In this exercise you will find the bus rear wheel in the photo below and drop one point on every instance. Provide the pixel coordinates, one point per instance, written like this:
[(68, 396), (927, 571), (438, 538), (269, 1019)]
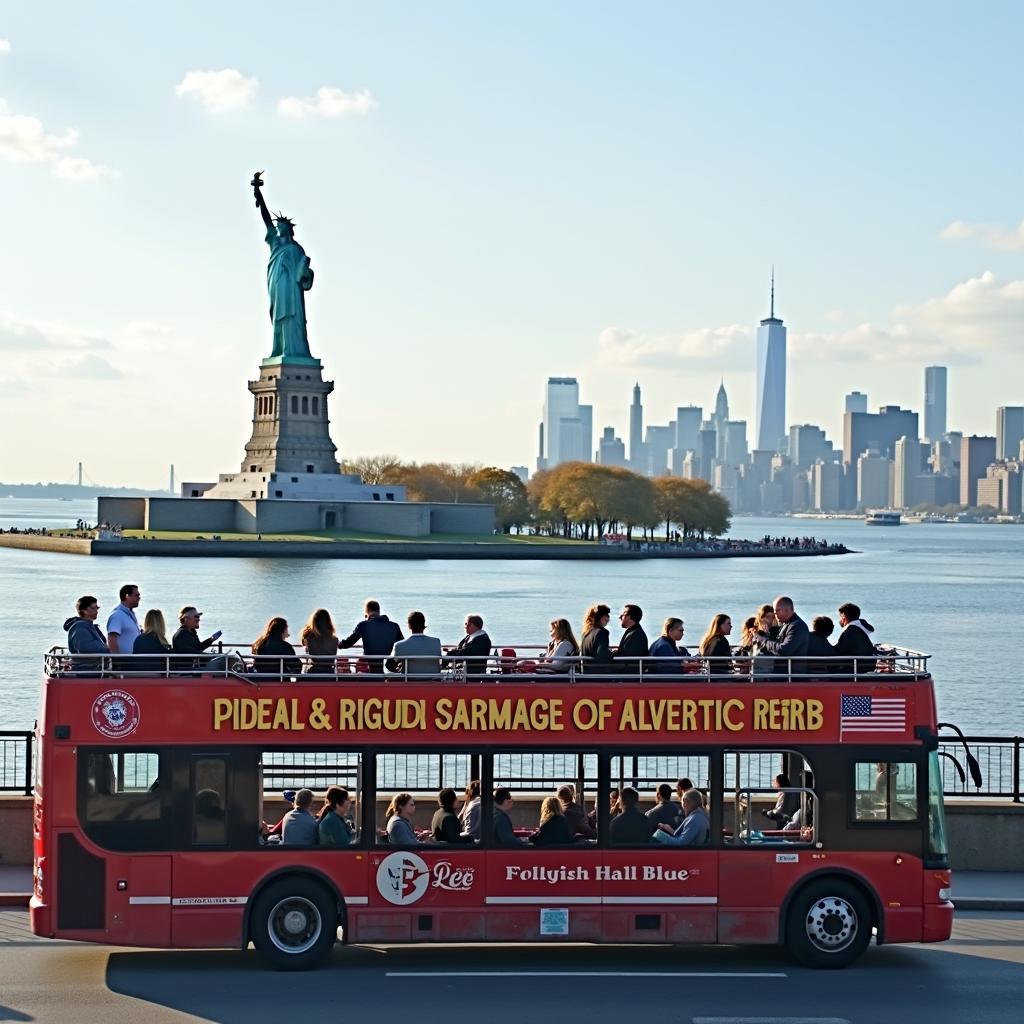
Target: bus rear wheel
[(294, 923), (828, 924)]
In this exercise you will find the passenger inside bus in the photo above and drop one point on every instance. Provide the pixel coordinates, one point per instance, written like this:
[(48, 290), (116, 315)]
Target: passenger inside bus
[(554, 829), (695, 829), (630, 827), (504, 833), (334, 827), (445, 825)]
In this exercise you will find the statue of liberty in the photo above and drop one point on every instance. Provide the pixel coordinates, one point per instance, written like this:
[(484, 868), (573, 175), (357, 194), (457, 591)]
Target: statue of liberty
[(289, 275)]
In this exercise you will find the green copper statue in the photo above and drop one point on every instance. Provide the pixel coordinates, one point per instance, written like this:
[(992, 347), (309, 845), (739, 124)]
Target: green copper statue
[(289, 275)]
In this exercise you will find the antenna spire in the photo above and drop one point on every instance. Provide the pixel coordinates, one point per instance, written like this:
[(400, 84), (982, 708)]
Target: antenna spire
[(772, 313)]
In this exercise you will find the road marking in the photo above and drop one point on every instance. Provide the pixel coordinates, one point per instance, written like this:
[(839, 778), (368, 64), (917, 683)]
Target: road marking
[(604, 974), (770, 1020)]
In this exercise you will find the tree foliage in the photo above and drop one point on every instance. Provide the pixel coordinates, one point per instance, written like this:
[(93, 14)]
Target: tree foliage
[(506, 492)]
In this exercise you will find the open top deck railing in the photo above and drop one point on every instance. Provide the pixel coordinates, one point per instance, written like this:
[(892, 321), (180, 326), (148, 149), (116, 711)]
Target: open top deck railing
[(512, 662)]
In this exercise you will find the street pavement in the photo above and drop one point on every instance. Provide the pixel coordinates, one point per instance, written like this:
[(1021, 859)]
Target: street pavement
[(976, 978)]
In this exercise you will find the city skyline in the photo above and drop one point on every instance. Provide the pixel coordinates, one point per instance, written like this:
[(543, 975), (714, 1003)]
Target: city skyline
[(601, 219)]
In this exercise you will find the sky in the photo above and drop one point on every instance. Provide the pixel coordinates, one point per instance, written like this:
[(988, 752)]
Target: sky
[(491, 195)]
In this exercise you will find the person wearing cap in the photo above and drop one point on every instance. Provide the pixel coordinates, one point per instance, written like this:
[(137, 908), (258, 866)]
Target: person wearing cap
[(275, 830), (300, 827), (186, 639)]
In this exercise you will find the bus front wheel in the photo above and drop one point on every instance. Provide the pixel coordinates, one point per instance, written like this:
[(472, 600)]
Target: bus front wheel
[(294, 923), (828, 924)]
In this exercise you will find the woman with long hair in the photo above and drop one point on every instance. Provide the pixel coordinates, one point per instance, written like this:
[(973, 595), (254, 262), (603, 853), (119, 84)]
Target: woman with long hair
[(400, 814), (445, 825), (715, 645), (469, 815), (554, 828), (321, 642), (272, 652), (333, 818), (562, 648), (596, 646), (152, 640)]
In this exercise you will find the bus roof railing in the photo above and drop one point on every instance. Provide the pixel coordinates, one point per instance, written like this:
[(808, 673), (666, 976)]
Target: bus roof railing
[(510, 663)]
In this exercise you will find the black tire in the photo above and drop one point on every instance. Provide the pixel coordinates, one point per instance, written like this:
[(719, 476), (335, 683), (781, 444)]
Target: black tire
[(294, 923), (828, 924)]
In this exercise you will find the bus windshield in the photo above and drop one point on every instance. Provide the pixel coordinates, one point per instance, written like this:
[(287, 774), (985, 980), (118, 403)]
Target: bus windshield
[(938, 842)]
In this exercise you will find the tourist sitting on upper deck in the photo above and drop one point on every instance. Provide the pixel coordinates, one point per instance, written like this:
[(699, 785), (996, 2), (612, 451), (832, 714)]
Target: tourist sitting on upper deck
[(595, 646), (786, 804), (376, 632), (554, 830), (321, 642), (665, 810), (334, 828), (715, 645), (791, 641), (273, 655), (418, 654), (469, 815), (400, 813), (475, 642), (667, 648), (630, 827), (445, 825), (633, 644), (504, 833), (186, 637), (299, 827), (575, 815), (855, 639), (818, 646), (122, 625), (563, 650), (84, 636), (152, 641), (695, 829)]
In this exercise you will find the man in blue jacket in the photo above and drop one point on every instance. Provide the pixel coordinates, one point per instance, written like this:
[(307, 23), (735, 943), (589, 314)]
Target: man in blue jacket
[(84, 636), (377, 633)]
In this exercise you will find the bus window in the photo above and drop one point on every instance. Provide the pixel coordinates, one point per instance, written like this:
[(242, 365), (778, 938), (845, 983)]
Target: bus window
[(121, 804), (885, 791), (567, 779), (660, 782), (770, 798), (425, 798), (209, 799), (285, 773)]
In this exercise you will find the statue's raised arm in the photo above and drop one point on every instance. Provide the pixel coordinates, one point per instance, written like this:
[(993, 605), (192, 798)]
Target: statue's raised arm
[(257, 184)]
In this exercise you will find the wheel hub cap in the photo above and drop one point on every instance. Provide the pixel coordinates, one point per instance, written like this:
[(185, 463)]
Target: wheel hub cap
[(831, 924)]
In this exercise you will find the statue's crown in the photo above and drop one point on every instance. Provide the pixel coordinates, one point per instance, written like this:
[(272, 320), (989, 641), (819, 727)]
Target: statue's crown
[(282, 219)]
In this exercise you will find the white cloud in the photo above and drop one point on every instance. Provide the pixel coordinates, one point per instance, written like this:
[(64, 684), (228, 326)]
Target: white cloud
[(218, 91), (23, 139), (22, 334), (993, 235), (5, 46), (78, 168), (328, 102), (88, 367), (619, 346)]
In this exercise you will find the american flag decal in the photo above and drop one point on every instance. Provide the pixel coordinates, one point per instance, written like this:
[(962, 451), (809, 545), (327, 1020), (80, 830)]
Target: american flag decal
[(872, 714)]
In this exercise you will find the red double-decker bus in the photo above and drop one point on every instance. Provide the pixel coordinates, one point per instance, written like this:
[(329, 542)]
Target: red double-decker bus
[(823, 797)]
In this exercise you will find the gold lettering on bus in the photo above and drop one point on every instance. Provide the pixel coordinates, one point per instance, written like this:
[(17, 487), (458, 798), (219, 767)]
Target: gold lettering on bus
[(262, 714), (787, 714)]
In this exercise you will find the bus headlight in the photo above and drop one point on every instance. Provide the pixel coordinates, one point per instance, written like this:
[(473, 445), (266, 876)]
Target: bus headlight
[(945, 892)]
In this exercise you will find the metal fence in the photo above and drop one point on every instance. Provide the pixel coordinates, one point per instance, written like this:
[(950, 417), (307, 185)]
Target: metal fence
[(999, 758)]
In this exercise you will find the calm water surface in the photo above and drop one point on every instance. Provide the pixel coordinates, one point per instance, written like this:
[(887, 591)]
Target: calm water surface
[(954, 591)]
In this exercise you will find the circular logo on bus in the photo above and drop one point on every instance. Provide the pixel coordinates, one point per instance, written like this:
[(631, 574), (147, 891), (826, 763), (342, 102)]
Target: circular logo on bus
[(115, 714), (402, 878)]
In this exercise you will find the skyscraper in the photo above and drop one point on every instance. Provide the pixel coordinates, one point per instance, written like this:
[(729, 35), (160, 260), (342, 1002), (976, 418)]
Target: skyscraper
[(880, 431), (1009, 431), (771, 380), (566, 434), (856, 401), (976, 455), (934, 402), (636, 432)]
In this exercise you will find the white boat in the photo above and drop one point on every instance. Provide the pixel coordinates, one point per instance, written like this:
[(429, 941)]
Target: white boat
[(880, 517)]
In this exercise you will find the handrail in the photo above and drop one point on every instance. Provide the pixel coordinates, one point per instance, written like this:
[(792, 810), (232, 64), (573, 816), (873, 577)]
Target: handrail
[(1001, 756), (227, 660)]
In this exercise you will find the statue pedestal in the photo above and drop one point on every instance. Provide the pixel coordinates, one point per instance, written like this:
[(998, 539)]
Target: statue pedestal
[(291, 361)]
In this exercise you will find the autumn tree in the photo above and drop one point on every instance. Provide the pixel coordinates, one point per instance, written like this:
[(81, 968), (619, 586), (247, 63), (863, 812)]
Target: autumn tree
[(375, 469), (506, 492)]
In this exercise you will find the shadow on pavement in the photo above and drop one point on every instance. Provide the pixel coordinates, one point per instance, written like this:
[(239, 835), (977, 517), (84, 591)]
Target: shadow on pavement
[(6, 1013)]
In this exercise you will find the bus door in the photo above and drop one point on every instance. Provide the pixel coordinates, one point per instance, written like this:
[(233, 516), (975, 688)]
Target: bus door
[(549, 889), (422, 890), (657, 891), (217, 828), (124, 807), (769, 823)]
